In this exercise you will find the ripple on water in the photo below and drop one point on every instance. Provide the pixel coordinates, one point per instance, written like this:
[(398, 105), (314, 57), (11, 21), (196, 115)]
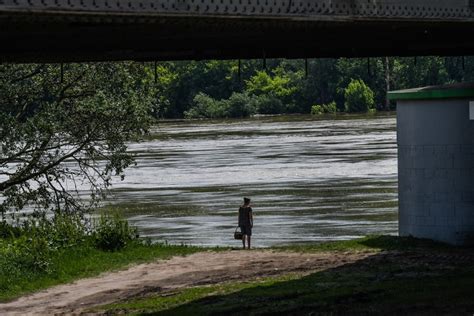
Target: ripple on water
[(310, 180)]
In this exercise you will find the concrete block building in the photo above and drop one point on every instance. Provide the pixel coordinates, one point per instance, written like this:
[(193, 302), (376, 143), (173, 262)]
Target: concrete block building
[(435, 135)]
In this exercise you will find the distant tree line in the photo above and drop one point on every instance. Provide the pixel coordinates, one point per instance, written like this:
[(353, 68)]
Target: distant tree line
[(213, 89)]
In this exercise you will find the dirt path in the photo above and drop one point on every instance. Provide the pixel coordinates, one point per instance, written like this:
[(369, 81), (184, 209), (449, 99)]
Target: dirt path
[(197, 269)]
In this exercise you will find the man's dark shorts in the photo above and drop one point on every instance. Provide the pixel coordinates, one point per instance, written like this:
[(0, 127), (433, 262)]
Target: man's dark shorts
[(246, 230)]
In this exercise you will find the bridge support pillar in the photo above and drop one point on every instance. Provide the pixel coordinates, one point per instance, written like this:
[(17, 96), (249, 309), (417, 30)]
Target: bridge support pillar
[(435, 134)]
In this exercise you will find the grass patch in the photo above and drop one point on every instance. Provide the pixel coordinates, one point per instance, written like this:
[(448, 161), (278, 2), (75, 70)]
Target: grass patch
[(79, 262), (171, 300), (370, 243)]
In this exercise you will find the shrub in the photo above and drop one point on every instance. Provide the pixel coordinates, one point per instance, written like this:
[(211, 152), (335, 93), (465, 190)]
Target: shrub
[(9, 231), (25, 254), (330, 107), (316, 110), (31, 250), (69, 229), (30, 246), (358, 97), (112, 232), (240, 105), (206, 107), (325, 108), (62, 230), (269, 104)]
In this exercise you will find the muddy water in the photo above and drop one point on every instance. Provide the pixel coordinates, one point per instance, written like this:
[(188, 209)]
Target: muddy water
[(309, 180)]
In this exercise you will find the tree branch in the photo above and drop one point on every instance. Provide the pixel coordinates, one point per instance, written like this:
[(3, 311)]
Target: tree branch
[(37, 70), (22, 177)]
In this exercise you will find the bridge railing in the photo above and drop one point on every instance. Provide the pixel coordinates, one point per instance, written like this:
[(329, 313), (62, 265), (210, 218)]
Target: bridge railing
[(306, 9)]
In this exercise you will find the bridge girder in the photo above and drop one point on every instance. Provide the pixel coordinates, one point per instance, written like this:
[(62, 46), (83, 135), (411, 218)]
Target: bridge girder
[(148, 30)]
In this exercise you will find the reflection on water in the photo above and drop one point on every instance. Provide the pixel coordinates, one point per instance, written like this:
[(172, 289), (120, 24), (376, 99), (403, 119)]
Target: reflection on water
[(309, 180)]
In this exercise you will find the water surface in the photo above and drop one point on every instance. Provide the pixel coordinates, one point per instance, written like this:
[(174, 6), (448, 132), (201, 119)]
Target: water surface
[(309, 180)]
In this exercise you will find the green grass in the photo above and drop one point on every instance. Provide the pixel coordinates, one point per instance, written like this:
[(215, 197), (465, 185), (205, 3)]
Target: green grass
[(369, 243), (400, 282), (79, 262), (188, 296)]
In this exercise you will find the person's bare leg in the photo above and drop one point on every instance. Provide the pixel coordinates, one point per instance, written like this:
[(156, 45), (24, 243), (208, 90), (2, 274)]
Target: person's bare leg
[(248, 242), (243, 240)]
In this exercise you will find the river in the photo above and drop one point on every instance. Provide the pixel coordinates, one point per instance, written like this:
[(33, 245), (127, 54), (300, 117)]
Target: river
[(310, 179)]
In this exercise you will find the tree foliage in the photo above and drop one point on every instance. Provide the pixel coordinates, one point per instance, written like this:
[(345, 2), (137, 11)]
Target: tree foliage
[(359, 97), (324, 108), (62, 135), (237, 106), (284, 87)]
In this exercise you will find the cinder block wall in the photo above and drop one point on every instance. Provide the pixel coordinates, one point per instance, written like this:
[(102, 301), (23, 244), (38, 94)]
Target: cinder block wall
[(436, 170)]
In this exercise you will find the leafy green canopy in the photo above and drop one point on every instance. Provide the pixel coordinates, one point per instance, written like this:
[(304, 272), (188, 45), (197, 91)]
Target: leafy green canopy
[(285, 87), (359, 97), (237, 106), (61, 133)]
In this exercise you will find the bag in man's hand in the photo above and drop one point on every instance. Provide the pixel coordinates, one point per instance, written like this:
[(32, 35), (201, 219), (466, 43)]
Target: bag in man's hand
[(238, 234)]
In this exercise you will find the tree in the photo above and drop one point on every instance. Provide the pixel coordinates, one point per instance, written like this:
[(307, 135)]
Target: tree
[(320, 86), (370, 71), (358, 97), (207, 107), (239, 105), (213, 78), (58, 134), (263, 83), (422, 71), (388, 65), (274, 92)]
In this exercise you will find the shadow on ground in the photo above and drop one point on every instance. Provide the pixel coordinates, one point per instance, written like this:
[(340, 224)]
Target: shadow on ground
[(411, 278)]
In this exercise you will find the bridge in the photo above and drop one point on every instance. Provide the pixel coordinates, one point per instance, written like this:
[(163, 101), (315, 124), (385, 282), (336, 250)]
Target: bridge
[(152, 30)]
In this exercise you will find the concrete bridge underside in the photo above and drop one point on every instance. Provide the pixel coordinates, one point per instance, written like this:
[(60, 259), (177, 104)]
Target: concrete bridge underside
[(94, 30)]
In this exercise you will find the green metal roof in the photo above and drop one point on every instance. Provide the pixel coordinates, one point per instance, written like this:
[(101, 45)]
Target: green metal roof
[(451, 91)]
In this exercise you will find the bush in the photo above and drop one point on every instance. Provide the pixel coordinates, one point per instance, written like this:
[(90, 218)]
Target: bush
[(30, 246), (25, 255), (316, 110), (325, 108), (269, 104), (330, 107), (358, 97), (69, 229), (40, 235), (62, 230), (207, 107), (9, 231), (112, 232), (31, 250), (240, 105)]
